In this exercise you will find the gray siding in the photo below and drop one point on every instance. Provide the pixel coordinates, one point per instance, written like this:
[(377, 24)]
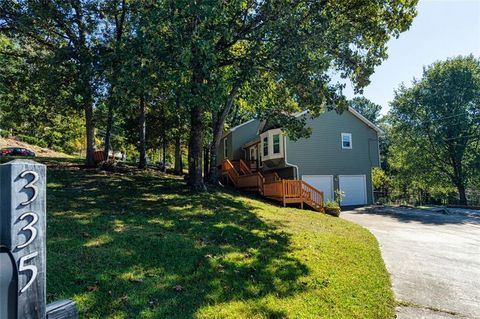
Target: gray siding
[(322, 153), (236, 139), (220, 154)]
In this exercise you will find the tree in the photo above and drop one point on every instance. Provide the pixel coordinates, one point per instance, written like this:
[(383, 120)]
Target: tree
[(117, 12), (297, 42), (69, 32), (367, 108), (436, 123), (35, 98)]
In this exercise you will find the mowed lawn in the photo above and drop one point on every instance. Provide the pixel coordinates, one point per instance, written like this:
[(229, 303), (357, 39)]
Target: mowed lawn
[(140, 245)]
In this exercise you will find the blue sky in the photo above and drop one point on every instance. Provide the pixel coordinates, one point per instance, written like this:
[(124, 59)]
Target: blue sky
[(442, 29)]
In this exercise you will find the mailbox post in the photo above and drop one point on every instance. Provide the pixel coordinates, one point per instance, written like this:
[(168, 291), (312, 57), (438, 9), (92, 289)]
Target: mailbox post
[(23, 244)]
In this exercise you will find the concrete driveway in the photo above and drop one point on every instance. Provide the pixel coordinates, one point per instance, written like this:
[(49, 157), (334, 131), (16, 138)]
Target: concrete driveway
[(433, 259)]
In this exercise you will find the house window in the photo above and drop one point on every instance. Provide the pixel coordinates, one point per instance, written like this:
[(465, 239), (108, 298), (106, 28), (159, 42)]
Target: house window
[(225, 149), (276, 144), (265, 146), (347, 141)]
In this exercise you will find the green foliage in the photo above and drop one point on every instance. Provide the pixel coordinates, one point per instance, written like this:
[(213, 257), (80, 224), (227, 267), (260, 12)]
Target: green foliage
[(379, 178), (32, 140), (367, 108), (331, 204), (192, 59), (435, 123)]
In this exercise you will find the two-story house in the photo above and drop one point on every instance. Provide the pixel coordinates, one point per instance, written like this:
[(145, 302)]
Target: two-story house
[(339, 154)]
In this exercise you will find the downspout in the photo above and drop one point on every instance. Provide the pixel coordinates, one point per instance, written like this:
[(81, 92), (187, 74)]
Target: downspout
[(295, 171)]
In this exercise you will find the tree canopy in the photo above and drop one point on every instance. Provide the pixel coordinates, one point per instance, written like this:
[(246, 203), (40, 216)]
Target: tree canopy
[(204, 62), (436, 126), (367, 108)]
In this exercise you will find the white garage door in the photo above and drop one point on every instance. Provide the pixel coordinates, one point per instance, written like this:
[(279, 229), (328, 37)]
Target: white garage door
[(355, 189), (323, 183)]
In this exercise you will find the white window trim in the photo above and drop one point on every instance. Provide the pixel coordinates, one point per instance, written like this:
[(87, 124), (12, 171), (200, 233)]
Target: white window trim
[(269, 134), (262, 137), (279, 144), (350, 138), (225, 148)]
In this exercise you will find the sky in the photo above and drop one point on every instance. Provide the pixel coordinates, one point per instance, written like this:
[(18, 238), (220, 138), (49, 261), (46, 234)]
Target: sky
[(442, 29)]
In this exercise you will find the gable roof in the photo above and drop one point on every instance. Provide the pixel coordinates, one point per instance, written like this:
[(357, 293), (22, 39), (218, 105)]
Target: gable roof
[(365, 120), (237, 127), (350, 109), (357, 115)]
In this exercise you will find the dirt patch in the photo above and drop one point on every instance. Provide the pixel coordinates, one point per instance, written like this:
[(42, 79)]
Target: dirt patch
[(39, 151)]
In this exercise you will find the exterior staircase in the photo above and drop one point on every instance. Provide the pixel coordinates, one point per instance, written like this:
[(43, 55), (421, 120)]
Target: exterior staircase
[(271, 185)]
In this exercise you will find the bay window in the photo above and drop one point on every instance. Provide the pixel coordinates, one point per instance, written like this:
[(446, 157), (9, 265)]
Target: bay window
[(272, 146)]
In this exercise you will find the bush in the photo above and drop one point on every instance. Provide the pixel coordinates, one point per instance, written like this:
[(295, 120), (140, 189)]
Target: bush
[(32, 140), (332, 208), (4, 133), (331, 204)]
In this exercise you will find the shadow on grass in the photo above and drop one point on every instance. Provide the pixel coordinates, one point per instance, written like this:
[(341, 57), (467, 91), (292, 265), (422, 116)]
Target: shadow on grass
[(144, 247)]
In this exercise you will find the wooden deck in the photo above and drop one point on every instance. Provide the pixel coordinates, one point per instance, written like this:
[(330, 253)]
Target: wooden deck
[(271, 185)]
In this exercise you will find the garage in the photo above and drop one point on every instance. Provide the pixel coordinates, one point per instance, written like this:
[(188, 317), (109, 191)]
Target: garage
[(355, 189), (323, 183)]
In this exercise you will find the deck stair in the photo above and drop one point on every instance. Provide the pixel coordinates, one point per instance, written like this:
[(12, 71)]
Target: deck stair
[(271, 185)]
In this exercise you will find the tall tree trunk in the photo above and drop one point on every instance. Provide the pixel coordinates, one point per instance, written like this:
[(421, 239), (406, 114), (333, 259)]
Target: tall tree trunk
[(217, 129), (90, 130), (205, 162), (462, 194), (178, 156), (164, 147), (459, 177), (119, 21), (195, 143), (195, 150), (108, 131), (142, 148), (218, 121)]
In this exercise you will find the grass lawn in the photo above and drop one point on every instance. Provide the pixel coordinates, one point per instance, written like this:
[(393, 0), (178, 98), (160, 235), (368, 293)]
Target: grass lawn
[(139, 245)]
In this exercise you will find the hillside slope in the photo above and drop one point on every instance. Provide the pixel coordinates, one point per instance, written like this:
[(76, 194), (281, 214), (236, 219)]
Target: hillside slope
[(140, 245), (40, 151)]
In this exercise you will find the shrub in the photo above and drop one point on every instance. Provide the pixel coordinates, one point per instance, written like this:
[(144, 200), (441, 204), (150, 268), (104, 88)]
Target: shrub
[(332, 208), (33, 140), (4, 133), (331, 204)]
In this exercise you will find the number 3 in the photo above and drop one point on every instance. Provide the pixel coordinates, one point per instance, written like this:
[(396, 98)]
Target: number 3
[(22, 267), (30, 228), (31, 185)]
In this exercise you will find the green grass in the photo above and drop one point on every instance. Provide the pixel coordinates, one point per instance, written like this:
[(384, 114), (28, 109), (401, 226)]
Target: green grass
[(141, 246)]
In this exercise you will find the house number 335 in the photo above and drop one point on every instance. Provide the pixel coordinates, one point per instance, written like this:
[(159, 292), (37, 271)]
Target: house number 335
[(31, 231)]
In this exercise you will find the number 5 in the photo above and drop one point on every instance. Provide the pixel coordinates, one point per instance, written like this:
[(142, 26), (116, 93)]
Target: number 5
[(31, 185), (22, 267)]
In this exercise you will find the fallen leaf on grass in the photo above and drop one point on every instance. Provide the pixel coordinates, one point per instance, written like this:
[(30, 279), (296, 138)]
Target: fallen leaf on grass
[(136, 280), (178, 288), (93, 288)]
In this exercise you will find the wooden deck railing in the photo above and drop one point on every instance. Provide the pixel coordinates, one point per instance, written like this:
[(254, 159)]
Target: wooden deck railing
[(285, 190), (244, 167), (273, 189), (229, 170), (312, 196), (249, 180), (272, 177)]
